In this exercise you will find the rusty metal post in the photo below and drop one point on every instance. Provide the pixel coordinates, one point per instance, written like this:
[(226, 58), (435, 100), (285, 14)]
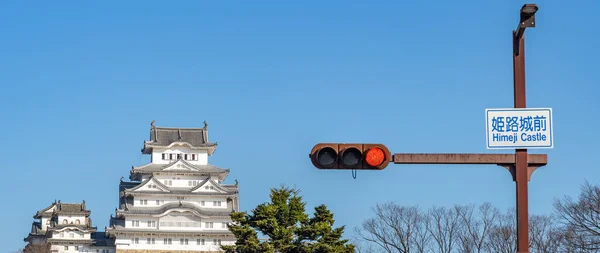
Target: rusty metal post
[(521, 170)]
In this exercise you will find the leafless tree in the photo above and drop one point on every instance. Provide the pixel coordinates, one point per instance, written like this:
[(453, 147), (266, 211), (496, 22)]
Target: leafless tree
[(544, 235), (503, 234), (581, 218), (361, 247), (443, 226), (396, 228), (476, 225)]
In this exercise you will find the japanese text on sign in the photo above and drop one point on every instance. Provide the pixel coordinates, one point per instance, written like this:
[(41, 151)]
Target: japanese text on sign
[(519, 128)]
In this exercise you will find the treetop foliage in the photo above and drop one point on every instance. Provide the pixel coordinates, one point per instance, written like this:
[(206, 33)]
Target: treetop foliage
[(287, 226)]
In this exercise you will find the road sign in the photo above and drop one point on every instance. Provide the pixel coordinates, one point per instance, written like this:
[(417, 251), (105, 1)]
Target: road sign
[(519, 128)]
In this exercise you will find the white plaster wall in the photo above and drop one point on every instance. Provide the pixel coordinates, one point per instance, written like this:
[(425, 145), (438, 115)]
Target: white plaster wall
[(44, 223), (82, 248), (209, 245), (66, 234), (143, 222), (162, 223), (197, 200), (103, 249), (180, 181), (71, 219), (201, 159)]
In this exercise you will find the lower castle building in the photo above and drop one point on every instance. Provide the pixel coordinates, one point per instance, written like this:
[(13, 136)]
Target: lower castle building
[(176, 203), (66, 227)]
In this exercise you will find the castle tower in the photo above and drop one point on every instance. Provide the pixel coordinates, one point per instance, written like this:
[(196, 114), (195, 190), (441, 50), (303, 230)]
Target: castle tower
[(66, 227), (178, 201)]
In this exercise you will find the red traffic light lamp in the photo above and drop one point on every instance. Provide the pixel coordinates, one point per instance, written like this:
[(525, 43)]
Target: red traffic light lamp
[(354, 156)]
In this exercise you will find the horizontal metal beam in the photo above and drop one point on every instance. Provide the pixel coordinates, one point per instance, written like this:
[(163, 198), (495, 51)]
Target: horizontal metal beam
[(499, 159)]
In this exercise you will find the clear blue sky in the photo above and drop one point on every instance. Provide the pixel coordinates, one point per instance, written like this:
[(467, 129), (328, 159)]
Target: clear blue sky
[(81, 81)]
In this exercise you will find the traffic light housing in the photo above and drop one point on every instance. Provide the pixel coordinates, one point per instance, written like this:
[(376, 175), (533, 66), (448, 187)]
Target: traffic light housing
[(350, 156)]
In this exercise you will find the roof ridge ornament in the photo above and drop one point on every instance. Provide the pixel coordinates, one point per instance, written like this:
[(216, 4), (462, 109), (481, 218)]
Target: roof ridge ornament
[(152, 124), (179, 133), (205, 125)]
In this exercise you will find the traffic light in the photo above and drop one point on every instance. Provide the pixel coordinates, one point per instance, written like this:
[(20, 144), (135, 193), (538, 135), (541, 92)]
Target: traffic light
[(344, 156)]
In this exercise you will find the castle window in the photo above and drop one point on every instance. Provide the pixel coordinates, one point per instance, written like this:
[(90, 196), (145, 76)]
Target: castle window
[(164, 156), (200, 241), (216, 203), (223, 225), (167, 241), (185, 156), (77, 222), (135, 223), (217, 241), (209, 224), (76, 247), (157, 202), (202, 203), (194, 157), (65, 221), (170, 156), (183, 241), (178, 156), (136, 240), (66, 247)]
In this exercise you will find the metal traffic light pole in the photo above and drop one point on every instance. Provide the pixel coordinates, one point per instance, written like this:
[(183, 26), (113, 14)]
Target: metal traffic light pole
[(521, 165), (527, 19)]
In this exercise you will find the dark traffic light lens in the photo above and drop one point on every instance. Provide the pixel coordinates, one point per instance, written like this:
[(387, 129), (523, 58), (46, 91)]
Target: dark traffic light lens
[(327, 157), (351, 157)]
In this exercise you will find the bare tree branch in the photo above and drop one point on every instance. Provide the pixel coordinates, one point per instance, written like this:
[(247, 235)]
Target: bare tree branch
[(396, 229), (443, 226), (476, 224), (503, 235), (581, 218), (544, 235)]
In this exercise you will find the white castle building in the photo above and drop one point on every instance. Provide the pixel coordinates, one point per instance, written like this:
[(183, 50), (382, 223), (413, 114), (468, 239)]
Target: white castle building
[(66, 227), (176, 203)]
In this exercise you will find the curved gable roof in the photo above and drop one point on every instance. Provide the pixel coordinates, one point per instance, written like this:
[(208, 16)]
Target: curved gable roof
[(151, 179), (166, 208), (202, 169)]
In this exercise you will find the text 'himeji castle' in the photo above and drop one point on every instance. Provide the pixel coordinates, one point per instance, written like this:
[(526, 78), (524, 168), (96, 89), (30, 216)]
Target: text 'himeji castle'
[(175, 203)]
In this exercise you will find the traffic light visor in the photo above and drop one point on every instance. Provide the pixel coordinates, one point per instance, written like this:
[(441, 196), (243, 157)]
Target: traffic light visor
[(375, 157), (327, 156)]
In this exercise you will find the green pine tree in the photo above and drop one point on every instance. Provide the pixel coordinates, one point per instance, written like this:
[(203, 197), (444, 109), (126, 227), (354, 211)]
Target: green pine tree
[(287, 226)]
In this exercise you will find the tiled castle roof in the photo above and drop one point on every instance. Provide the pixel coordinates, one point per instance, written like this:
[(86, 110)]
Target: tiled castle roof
[(63, 208), (165, 136)]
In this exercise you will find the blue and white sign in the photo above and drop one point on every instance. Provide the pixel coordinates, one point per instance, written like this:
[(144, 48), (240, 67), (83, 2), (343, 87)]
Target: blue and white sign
[(516, 128)]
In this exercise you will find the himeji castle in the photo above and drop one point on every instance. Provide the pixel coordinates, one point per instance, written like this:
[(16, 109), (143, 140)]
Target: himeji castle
[(176, 203)]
